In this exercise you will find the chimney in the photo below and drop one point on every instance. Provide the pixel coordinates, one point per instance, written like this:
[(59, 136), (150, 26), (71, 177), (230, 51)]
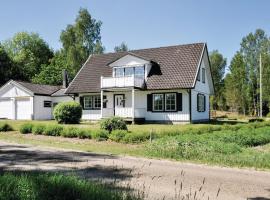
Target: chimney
[(65, 78)]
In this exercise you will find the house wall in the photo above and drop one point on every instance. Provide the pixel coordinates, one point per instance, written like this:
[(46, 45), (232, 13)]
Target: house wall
[(203, 88), (41, 112), (141, 105), (89, 114)]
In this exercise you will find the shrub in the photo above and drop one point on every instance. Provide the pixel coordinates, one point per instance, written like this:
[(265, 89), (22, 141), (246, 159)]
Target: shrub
[(83, 133), (38, 129), (68, 112), (268, 115), (53, 130), (100, 134), (256, 120), (70, 132), (137, 137), (26, 128), (113, 123), (117, 135), (4, 127)]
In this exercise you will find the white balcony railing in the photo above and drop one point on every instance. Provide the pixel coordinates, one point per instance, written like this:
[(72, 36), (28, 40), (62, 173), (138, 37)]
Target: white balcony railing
[(128, 81)]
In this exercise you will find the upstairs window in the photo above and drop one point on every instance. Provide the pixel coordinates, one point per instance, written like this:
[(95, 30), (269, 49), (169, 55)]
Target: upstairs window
[(139, 71), (119, 72), (203, 75), (129, 71)]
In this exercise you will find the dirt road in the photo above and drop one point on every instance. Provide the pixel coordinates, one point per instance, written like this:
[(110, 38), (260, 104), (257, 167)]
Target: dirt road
[(157, 178)]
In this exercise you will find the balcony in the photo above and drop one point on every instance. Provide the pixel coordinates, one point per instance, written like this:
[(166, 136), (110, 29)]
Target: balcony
[(121, 82)]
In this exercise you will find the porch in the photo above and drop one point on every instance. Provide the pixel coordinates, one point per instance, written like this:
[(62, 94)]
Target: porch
[(124, 103)]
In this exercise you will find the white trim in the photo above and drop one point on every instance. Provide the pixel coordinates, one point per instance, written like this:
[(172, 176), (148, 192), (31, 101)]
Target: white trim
[(199, 64), (78, 74), (18, 85), (153, 102)]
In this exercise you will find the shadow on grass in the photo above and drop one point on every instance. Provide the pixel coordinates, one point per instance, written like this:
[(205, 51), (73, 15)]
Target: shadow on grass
[(224, 122)]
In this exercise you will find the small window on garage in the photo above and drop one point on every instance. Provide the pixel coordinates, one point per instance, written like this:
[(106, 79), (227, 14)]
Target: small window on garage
[(47, 104)]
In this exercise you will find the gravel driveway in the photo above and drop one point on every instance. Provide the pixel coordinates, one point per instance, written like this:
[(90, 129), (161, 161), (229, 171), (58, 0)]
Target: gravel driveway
[(157, 178)]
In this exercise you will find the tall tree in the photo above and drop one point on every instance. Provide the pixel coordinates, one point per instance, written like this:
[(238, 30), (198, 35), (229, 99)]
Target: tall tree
[(7, 70), (122, 47), (237, 84), (218, 64), (28, 51), (52, 74), (252, 46), (81, 39)]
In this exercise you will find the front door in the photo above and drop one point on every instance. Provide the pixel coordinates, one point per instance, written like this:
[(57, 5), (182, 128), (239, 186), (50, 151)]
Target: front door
[(119, 101)]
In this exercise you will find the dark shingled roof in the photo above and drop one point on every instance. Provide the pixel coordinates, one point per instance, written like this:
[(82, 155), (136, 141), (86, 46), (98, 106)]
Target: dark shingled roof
[(60, 92), (174, 67), (40, 89)]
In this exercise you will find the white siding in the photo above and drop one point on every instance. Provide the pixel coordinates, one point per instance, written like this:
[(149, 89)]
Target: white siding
[(129, 60), (203, 88), (41, 112), (90, 114), (7, 108), (13, 91)]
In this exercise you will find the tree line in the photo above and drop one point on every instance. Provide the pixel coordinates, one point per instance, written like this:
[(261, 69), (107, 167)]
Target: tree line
[(27, 57), (239, 89)]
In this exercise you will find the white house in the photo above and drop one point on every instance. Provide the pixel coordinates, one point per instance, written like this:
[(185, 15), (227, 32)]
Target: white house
[(25, 101), (166, 84)]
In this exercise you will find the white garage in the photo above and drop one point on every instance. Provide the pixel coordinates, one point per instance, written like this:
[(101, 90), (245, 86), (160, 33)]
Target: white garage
[(27, 101)]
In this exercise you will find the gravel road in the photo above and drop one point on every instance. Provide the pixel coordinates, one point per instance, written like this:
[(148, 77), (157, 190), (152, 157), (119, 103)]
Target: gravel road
[(158, 179)]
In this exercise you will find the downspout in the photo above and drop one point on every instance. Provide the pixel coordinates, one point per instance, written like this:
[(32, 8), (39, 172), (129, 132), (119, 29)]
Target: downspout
[(190, 108)]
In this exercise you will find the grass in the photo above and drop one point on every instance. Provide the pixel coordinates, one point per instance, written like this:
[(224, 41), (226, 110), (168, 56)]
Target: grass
[(240, 145), (47, 186)]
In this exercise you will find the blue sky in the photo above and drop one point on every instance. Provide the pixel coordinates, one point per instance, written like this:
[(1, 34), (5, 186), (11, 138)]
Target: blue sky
[(142, 23)]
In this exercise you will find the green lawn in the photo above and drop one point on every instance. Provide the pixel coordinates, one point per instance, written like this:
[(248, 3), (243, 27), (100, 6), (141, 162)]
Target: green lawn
[(240, 145)]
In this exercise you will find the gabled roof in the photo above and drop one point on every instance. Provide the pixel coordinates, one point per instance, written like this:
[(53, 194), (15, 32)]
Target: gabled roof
[(39, 88), (174, 67)]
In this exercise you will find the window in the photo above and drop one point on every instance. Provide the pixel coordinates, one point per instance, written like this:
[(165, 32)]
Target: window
[(200, 103), (157, 102), (119, 72), (47, 104), (203, 75), (199, 75), (129, 71), (170, 102), (105, 101), (139, 71), (92, 102)]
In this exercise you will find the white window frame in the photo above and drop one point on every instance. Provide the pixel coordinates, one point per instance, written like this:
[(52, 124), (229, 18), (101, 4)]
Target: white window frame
[(175, 103), (153, 103), (203, 75), (93, 99), (201, 102)]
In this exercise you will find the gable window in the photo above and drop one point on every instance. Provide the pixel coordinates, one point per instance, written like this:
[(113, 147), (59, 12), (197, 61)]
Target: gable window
[(170, 102), (119, 72), (92, 102), (199, 75), (203, 75), (158, 102), (47, 104), (200, 102), (139, 71)]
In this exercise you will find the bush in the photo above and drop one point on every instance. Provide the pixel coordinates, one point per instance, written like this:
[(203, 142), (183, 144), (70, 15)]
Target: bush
[(268, 115), (83, 133), (68, 112), (113, 123), (100, 134), (26, 128), (256, 120), (4, 127), (53, 130), (70, 132), (117, 135), (38, 129), (137, 137)]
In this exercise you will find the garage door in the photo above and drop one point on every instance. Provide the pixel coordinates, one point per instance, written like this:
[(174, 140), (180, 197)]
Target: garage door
[(23, 108), (6, 109)]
